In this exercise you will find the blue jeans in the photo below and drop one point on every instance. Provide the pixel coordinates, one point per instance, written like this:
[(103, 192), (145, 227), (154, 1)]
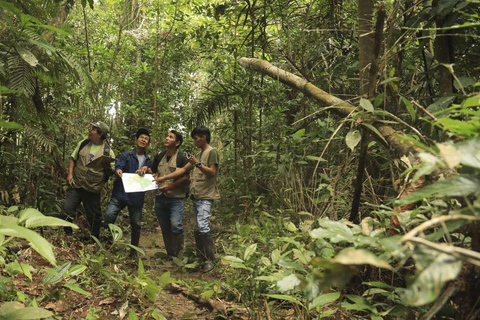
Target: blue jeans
[(202, 211), (169, 213), (91, 204), (135, 212)]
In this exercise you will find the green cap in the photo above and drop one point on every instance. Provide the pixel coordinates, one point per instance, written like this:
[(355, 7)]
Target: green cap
[(102, 126)]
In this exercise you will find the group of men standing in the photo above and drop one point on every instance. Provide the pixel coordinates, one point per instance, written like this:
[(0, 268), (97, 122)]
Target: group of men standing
[(171, 170)]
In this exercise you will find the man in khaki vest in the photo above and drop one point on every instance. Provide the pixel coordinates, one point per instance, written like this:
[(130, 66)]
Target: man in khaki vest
[(86, 181), (171, 193), (203, 190)]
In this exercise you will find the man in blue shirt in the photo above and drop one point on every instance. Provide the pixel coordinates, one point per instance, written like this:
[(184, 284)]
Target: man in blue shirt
[(133, 161)]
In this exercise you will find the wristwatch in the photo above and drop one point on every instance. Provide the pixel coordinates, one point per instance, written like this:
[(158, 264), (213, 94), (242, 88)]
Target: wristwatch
[(198, 165)]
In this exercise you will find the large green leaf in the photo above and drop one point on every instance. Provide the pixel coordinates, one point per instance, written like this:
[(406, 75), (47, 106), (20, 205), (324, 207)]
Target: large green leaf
[(45, 221), (430, 281), (350, 256), (324, 299), (28, 56), (456, 186), (440, 104), (37, 242), (29, 213), (16, 311), (288, 283), (336, 231), (75, 287), (10, 125), (57, 274)]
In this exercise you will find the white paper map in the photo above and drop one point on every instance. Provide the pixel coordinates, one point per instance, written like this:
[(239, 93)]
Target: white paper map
[(132, 182)]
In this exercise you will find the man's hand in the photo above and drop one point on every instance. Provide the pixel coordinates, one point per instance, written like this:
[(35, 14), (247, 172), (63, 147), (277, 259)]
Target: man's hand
[(119, 173), (142, 170), (70, 179), (159, 180), (193, 160)]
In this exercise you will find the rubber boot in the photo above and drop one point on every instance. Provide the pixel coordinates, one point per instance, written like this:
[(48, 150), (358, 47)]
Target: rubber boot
[(209, 252), (199, 244), (177, 244), (167, 240)]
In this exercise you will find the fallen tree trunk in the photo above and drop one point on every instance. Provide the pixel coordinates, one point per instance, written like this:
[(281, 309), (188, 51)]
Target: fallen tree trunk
[(336, 105)]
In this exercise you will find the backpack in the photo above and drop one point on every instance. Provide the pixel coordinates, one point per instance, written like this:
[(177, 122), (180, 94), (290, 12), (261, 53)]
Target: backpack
[(162, 154), (106, 152)]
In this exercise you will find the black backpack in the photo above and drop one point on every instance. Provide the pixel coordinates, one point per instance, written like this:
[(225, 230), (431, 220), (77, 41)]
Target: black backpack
[(106, 152)]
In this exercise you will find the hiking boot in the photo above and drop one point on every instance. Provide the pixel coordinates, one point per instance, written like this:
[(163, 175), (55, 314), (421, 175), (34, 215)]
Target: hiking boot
[(208, 251), (207, 267), (167, 240)]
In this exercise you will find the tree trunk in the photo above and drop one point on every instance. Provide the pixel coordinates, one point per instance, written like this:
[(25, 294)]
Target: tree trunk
[(335, 105)]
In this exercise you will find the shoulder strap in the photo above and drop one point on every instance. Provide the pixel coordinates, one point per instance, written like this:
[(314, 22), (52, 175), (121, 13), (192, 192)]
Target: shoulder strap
[(106, 150), (82, 145)]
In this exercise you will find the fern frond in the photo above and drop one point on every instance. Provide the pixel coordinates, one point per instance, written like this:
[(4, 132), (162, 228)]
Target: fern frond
[(21, 76), (72, 64)]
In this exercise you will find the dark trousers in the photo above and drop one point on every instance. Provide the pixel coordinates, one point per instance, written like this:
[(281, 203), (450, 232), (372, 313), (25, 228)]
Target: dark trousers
[(91, 204)]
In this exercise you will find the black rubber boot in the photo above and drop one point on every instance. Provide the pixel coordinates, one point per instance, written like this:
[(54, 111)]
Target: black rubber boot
[(199, 244), (209, 251), (177, 244), (167, 240), (135, 237)]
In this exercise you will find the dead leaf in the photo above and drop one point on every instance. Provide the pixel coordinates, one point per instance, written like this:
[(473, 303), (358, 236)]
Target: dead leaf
[(108, 300)]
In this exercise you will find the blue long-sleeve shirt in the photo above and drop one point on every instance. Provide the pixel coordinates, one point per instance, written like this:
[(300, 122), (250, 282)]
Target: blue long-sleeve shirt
[(128, 163)]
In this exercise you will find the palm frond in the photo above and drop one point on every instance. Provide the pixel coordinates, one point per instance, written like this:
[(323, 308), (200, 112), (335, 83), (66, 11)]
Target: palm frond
[(36, 137), (74, 66), (21, 76)]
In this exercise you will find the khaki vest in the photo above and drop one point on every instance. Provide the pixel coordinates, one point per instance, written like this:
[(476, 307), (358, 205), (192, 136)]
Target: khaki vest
[(85, 177), (203, 186), (165, 168)]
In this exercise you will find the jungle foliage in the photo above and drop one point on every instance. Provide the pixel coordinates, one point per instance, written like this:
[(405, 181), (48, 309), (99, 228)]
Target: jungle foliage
[(321, 216)]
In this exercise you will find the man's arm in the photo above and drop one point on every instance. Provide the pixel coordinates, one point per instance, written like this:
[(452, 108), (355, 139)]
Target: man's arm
[(120, 165), (177, 173), (71, 166), (177, 183)]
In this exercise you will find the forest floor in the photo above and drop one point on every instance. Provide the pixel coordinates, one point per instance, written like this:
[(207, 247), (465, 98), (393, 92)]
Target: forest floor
[(113, 297)]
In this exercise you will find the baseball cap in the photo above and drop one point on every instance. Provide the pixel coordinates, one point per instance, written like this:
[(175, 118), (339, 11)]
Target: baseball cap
[(141, 131), (102, 126)]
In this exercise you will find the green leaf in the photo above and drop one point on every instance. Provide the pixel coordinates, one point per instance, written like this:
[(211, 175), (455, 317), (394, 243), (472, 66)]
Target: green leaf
[(410, 108), (57, 274), (463, 82), (27, 56), (5, 90), (16, 310), (353, 138), (16, 267), (44, 221), (314, 158), (430, 281), (374, 130), (76, 270), (367, 105), (37, 242), (75, 287), (132, 315), (29, 213), (441, 104), (271, 278), (394, 79), (249, 251), (360, 303), (288, 283), (456, 186), (284, 297), (10, 125), (291, 265), (350, 256), (298, 135), (229, 259), (324, 299), (471, 102), (116, 231), (55, 29), (334, 230), (290, 226)]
